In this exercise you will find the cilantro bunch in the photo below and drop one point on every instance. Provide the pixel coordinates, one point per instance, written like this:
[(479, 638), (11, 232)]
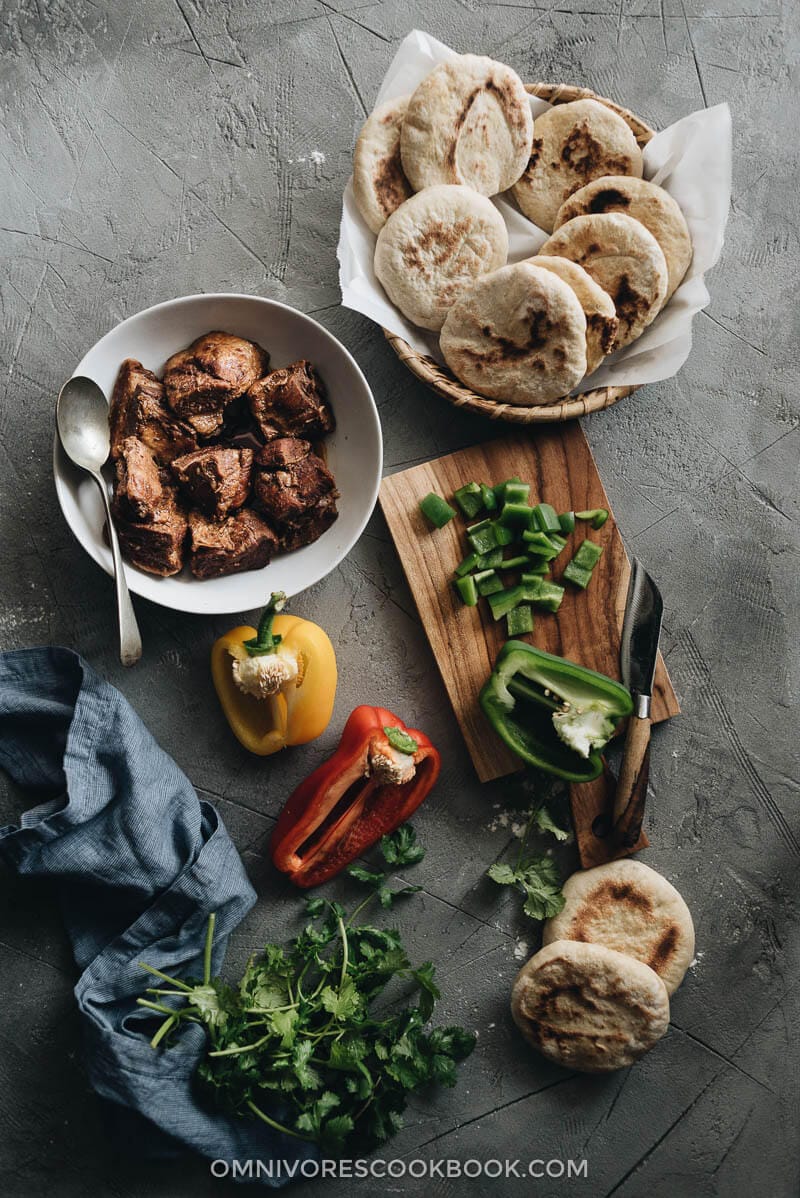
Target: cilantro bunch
[(299, 1044)]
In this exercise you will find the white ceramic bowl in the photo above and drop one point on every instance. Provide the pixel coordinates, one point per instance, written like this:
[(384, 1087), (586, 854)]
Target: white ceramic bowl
[(354, 450)]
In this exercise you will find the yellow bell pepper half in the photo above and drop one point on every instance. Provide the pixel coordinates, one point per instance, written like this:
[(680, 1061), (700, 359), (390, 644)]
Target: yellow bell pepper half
[(300, 706)]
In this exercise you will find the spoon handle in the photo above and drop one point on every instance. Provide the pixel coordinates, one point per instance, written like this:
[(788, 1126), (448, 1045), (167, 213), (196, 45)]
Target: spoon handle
[(130, 641)]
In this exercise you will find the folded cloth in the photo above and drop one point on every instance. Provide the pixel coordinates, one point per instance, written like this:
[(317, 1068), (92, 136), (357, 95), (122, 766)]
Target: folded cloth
[(139, 864)]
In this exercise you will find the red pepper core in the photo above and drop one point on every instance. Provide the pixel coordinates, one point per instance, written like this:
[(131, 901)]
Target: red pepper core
[(346, 805)]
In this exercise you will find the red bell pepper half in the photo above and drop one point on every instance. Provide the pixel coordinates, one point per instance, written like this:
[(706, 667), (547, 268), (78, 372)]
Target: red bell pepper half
[(375, 780)]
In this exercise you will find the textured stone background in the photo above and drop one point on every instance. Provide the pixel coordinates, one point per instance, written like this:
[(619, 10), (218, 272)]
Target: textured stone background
[(161, 147)]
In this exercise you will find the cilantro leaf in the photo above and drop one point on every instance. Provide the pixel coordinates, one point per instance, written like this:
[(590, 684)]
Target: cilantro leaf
[(501, 873), (401, 847), (543, 820)]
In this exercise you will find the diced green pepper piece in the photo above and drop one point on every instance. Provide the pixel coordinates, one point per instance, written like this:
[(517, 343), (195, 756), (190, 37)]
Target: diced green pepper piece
[(503, 534), (514, 563), (505, 601), (516, 492), (597, 516), (520, 620), (540, 544), (500, 489), (487, 582), (587, 555), (435, 509), (471, 562), (489, 498), (469, 499), (537, 565), (482, 537), (467, 589), (516, 515), (541, 592), (567, 522), (546, 518), (578, 575), (488, 561), (555, 538)]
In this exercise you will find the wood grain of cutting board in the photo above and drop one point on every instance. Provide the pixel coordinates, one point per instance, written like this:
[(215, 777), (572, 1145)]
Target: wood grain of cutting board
[(557, 462)]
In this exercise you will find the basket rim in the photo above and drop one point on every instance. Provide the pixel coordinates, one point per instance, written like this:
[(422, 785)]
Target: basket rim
[(439, 378)]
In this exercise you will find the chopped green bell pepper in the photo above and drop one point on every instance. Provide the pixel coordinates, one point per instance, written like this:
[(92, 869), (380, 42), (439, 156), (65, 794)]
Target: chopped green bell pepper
[(567, 522), (545, 518), (551, 712), (489, 498), (579, 576), (468, 590), (588, 555), (435, 509), (505, 601), (471, 562), (469, 499), (520, 620), (597, 516), (488, 582)]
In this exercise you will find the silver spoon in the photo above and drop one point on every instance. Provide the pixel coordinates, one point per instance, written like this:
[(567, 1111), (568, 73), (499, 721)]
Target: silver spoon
[(82, 419)]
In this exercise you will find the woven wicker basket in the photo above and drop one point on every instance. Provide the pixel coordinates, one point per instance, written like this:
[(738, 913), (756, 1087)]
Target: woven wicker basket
[(441, 380)]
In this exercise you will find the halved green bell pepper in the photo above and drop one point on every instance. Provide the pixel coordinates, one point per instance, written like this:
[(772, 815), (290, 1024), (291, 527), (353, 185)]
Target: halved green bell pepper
[(530, 693)]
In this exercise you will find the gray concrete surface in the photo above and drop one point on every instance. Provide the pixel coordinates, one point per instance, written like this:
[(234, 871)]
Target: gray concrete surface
[(161, 147)]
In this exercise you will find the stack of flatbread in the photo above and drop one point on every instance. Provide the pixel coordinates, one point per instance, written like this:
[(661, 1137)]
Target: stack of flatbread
[(425, 169), (596, 996)]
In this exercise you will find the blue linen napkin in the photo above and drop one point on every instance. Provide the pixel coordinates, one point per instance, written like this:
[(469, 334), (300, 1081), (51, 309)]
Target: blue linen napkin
[(139, 864)]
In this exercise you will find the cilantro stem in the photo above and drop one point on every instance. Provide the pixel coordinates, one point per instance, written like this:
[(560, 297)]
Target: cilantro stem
[(272, 1123), (165, 977), (239, 1049), (212, 919), (158, 1006), (166, 1027)]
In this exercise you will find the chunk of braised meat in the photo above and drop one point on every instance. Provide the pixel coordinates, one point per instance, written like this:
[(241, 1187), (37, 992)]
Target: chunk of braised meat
[(241, 542), (155, 545), (295, 490), (138, 409), (216, 479), (215, 370), (291, 402), (138, 490)]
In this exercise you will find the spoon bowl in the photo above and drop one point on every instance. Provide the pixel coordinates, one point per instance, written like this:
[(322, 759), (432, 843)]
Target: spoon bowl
[(82, 418), (82, 422)]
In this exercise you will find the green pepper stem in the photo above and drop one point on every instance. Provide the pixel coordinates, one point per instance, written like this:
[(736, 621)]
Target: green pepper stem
[(265, 640)]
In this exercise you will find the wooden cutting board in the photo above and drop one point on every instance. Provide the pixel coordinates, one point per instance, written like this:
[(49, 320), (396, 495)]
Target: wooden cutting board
[(557, 462)]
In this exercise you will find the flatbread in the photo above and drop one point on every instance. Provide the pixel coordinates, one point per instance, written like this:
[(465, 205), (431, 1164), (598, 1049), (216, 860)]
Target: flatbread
[(624, 259), (434, 247), (629, 907), (644, 201), (469, 122), (379, 185), (518, 335), (572, 144), (588, 1007), (598, 307)]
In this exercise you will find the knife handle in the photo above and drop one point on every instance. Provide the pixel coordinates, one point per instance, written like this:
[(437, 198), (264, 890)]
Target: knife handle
[(632, 784)]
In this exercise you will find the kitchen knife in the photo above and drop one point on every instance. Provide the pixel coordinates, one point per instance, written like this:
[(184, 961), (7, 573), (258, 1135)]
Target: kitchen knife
[(641, 630)]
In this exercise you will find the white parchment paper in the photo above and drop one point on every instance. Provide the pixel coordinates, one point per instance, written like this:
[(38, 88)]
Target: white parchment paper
[(691, 160)]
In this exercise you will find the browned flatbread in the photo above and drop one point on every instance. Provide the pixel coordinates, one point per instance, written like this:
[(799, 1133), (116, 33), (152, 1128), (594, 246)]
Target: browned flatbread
[(588, 1007), (379, 184), (627, 906), (645, 202)]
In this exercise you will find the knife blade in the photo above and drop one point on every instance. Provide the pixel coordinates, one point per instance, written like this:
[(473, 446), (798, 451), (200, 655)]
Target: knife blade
[(641, 631)]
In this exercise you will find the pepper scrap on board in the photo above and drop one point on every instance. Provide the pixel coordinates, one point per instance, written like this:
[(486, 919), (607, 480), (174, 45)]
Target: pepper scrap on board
[(551, 712), (276, 683), (376, 779)]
